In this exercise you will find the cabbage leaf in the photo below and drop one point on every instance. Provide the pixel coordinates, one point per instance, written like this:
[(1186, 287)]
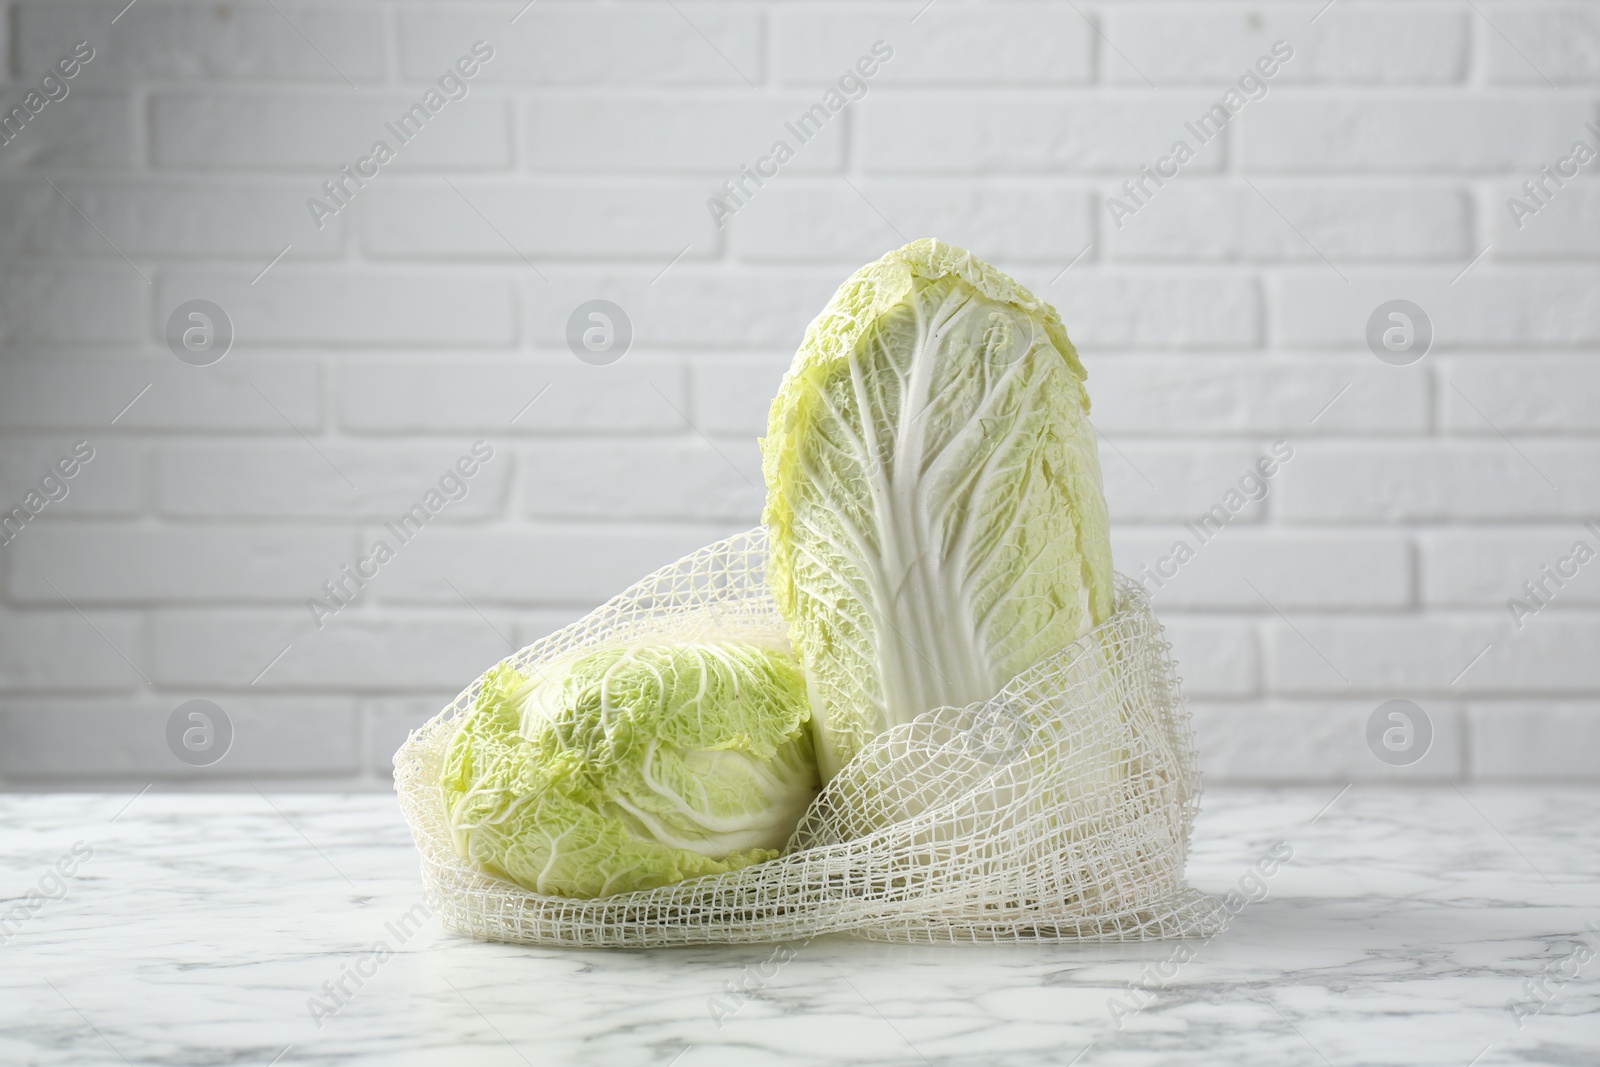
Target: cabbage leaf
[(934, 504), (625, 767)]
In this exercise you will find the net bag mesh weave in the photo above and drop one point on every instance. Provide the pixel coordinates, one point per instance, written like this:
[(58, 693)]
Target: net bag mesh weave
[(1058, 810)]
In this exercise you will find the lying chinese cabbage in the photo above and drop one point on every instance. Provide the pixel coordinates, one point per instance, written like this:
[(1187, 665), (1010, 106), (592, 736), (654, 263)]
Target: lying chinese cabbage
[(630, 767), (933, 494)]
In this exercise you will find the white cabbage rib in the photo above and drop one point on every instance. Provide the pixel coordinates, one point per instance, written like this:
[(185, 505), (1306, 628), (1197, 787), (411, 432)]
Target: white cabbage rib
[(933, 494)]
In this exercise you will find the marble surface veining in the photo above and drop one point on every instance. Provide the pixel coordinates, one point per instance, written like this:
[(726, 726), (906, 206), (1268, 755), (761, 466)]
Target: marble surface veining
[(1411, 926)]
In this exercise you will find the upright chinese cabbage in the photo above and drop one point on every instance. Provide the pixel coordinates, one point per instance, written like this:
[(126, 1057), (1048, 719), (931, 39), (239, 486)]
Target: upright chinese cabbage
[(933, 494), (628, 767)]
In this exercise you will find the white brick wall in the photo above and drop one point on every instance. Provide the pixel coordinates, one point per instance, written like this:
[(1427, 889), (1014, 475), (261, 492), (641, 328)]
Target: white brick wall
[(1227, 313)]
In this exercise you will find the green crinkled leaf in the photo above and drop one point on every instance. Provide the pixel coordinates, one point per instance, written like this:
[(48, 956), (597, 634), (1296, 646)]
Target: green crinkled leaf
[(630, 767)]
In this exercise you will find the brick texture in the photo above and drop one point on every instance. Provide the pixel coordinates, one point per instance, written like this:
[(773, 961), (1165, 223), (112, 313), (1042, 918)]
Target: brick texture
[(385, 321)]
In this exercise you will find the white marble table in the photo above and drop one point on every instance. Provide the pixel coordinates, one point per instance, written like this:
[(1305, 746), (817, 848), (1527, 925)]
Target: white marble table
[(1401, 931)]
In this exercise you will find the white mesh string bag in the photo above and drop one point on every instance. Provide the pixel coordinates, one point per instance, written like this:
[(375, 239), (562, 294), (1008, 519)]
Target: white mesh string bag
[(1058, 810)]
